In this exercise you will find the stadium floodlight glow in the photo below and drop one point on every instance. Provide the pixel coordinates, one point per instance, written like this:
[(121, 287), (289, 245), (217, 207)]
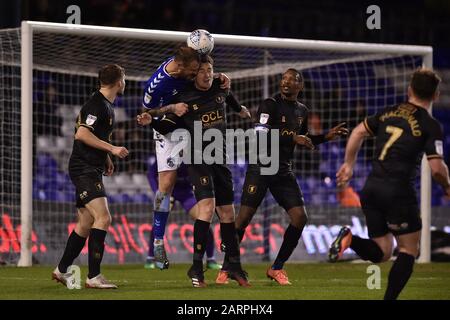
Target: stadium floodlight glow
[(71, 54)]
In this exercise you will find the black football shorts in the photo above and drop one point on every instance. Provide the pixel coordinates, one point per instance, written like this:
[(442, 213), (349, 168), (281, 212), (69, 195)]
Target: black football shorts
[(212, 181), (390, 206), (88, 186), (283, 186)]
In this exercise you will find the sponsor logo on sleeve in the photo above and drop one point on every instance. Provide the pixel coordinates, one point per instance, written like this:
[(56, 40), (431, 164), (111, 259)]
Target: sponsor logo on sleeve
[(263, 118), (439, 147), (90, 120), (147, 98)]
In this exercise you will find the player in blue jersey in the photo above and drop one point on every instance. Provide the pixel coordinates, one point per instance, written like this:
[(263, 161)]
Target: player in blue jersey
[(170, 78), (185, 196)]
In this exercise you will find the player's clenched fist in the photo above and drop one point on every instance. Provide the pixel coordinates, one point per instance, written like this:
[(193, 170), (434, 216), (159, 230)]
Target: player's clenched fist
[(144, 119), (180, 109), (344, 175), (120, 152)]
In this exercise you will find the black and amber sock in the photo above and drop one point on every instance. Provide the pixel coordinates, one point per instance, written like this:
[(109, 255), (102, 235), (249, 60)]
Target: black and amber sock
[(96, 246), (290, 241), (74, 245), (399, 275), (200, 241), (367, 249), (231, 241)]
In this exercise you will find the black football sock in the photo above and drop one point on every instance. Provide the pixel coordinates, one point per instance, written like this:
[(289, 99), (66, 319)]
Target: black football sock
[(290, 241), (240, 234), (230, 240), (367, 249), (226, 262), (96, 245), (399, 275), (200, 240), (74, 245)]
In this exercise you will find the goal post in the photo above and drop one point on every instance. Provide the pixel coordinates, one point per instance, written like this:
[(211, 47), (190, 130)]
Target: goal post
[(238, 56), (26, 147)]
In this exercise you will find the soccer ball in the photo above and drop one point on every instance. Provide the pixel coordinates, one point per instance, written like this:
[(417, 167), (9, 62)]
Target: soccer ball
[(201, 40)]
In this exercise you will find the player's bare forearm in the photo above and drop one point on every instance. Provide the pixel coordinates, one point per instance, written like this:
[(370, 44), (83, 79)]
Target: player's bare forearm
[(354, 144), (159, 112), (179, 109), (87, 137), (439, 171)]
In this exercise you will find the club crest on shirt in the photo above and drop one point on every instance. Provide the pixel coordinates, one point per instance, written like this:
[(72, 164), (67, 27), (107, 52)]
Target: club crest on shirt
[(283, 119), (83, 195), (90, 120), (204, 180), (300, 120), (220, 99)]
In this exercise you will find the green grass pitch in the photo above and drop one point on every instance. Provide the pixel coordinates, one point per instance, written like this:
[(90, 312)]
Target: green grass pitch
[(309, 281)]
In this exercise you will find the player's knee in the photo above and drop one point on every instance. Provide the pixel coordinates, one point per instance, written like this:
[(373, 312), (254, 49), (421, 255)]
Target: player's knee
[(103, 221), (83, 229), (206, 209), (299, 218), (244, 216), (411, 250), (227, 217)]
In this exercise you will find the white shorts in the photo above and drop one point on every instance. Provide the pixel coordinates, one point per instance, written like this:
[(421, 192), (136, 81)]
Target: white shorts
[(168, 153)]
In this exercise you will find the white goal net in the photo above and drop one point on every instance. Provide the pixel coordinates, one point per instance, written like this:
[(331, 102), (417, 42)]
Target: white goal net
[(343, 83)]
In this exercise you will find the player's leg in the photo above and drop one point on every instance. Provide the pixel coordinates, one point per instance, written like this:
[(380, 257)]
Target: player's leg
[(408, 246), (253, 192), (243, 219), (74, 245), (168, 161), (405, 223), (377, 248), (224, 194), (202, 181), (231, 243), (161, 205), (211, 262), (287, 193), (201, 227), (150, 260), (184, 195), (379, 245), (98, 208)]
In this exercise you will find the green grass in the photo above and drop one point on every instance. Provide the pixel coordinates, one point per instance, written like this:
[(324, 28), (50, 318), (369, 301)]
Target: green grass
[(309, 281)]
